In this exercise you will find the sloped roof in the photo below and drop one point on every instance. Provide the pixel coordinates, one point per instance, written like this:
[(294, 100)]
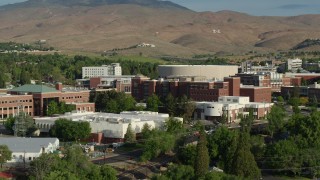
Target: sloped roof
[(28, 145), (34, 88)]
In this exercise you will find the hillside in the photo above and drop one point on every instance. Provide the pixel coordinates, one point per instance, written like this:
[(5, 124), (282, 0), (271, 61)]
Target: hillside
[(100, 25)]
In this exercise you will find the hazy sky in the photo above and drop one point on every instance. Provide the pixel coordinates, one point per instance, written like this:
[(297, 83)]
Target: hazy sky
[(253, 7)]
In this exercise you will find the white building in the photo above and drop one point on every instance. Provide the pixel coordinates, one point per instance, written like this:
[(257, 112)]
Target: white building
[(111, 125), (231, 107), (105, 70), (294, 64), (25, 150), (217, 72)]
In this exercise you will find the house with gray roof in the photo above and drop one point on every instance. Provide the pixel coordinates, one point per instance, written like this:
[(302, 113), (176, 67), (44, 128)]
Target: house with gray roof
[(25, 150)]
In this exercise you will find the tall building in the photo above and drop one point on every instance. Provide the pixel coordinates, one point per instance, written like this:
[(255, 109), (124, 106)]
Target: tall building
[(105, 70)]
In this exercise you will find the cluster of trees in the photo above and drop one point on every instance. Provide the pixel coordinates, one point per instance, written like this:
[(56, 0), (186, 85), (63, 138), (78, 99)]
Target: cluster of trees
[(20, 125), (113, 102), (12, 46), (20, 68), (59, 108), (73, 165), (174, 106), (70, 130)]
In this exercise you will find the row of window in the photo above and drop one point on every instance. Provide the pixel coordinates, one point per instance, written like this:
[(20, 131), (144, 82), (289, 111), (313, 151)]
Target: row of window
[(10, 108), (15, 101), (75, 97)]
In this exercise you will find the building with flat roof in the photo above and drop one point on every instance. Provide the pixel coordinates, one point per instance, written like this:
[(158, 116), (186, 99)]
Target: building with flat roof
[(113, 69), (113, 127), (143, 87), (25, 150), (294, 64), (230, 107), (211, 72)]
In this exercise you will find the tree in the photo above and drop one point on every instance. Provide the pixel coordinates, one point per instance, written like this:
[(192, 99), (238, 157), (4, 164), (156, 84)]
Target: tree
[(74, 164), (180, 172), (107, 172), (24, 78), (202, 160), (275, 119), (186, 108), (170, 104), (70, 130), (222, 145), (187, 154), (23, 125), (173, 125), (158, 143), (146, 131), (5, 154), (244, 164), (130, 135), (52, 108), (9, 123), (285, 155), (43, 165), (153, 103)]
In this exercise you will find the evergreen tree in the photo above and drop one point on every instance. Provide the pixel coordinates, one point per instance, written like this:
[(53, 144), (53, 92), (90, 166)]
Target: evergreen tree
[(275, 119), (170, 105), (153, 103), (202, 160), (130, 135), (244, 164)]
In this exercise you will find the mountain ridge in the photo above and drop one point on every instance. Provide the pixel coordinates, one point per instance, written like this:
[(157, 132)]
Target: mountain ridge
[(174, 31)]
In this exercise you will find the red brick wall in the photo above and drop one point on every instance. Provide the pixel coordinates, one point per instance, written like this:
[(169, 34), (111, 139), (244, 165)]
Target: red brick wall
[(257, 94), (234, 85), (94, 82)]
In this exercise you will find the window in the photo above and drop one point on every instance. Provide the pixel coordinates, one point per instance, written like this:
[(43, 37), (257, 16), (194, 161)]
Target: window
[(30, 158)]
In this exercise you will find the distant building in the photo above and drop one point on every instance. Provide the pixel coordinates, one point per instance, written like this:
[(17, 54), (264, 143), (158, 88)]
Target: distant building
[(104, 70), (211, 72), (268, 79), (249, 67), (117, 83), (109, 127), (294, 64), (25, 150), (230, 107)]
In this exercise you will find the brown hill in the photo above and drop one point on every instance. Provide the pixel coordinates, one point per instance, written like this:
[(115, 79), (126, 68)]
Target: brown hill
[(98, 25)]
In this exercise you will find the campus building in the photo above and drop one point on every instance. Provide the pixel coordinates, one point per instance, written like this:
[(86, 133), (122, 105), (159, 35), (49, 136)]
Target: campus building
[(117, 83), (109, 127), (105, 70), (268, 79), (25, 150), (230, 108), (211, 72), (34, 99), (294, 64), (143, 87)]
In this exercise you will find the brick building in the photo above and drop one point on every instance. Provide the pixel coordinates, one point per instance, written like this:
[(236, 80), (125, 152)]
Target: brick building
[(39, 96), (143, 87), (11, 105), (268, 79)]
